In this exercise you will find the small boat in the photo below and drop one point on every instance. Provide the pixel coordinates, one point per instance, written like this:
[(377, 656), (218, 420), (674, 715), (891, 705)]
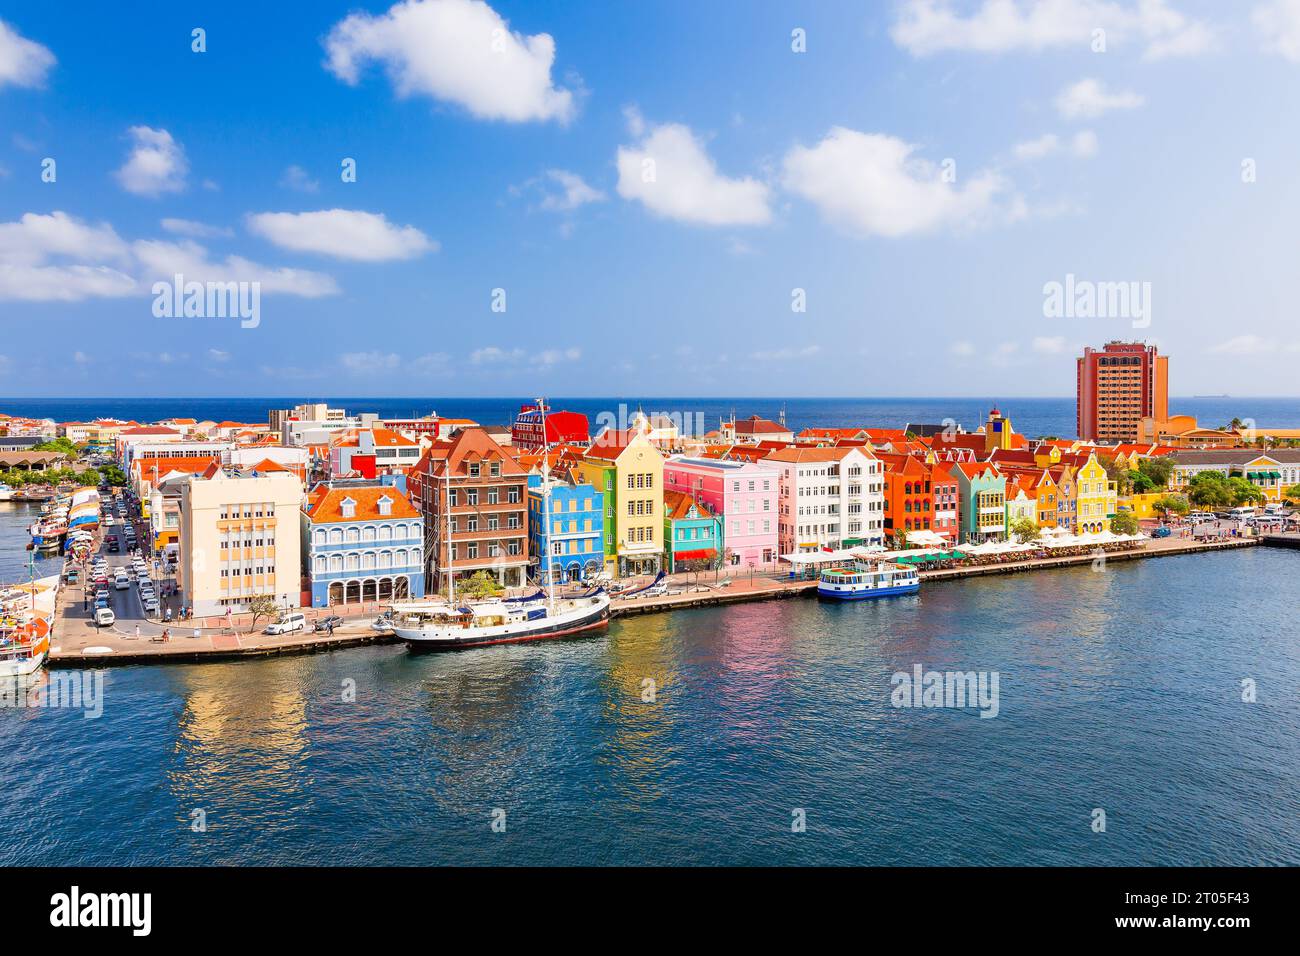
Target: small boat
[(867, 579), (26, 618), (440, 626), (6, 491)]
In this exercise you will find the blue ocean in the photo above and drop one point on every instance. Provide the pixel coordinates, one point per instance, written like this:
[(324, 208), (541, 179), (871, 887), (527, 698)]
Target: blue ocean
[(1035, 417)]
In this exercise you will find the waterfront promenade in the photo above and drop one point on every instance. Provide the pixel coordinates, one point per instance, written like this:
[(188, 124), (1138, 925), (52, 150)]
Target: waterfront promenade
[(78, 643)]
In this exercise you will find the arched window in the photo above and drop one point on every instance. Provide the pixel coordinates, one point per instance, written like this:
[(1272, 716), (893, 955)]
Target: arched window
[(336, 535), (368, 533), (336, 562), (907, 488), (319, 564), (353, 535), (319, 536), (385, 559), (385, 532)]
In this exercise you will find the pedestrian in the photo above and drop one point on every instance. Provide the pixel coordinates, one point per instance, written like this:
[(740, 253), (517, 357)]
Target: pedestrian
[(137, 632)]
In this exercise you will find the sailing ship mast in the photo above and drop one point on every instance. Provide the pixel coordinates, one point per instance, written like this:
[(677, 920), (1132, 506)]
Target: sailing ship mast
[(546, 510), (451, 568)]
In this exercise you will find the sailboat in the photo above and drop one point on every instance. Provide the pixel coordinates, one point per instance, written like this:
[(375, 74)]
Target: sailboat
[(448, 625)]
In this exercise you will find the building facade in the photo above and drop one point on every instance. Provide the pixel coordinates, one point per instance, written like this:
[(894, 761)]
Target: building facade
[(472, 495), (829, 498), (361, 541), (572, 546), (982, 488), (745, 495), (1116, 387), (692, 533), (239, 539), (629, 470)]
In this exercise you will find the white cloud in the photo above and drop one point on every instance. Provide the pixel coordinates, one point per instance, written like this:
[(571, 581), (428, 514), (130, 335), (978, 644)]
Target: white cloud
[(218, 355), (196, 230), (869, 184), (81, 358), (575, 193), (670, 172), (296, 178), (1033, 149), (961, 349), (491, 355), (458, 51), (161, 260), (924, 27), (1245, 345), (56, 258), (369, 363), (343, 234), (556, 356), (785, 355), (155, 165), (1049, 344), (23, 62), (1089, 98), (1082, 144), (1278, 23)]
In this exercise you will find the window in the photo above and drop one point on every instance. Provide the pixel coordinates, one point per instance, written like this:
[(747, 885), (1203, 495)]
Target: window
[(474, 470), (385, 505)]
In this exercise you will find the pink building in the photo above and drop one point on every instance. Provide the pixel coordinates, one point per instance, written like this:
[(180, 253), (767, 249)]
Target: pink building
[(745, 494)]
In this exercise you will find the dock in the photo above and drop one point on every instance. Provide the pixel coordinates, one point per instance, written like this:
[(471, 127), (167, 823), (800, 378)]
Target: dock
[(78, 644)]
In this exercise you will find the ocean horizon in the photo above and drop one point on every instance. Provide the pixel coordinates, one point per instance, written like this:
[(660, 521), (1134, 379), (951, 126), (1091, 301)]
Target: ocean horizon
[(1033, 416)]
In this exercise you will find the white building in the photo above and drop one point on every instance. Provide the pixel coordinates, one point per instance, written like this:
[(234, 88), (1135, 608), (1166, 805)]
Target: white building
[(239, 539), (829, 498)]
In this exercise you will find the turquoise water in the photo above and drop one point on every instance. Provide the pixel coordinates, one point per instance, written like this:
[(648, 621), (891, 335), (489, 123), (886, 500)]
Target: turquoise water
[(1118, 690)]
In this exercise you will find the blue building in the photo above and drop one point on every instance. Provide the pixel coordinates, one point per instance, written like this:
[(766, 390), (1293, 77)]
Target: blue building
[(362, 540), (573, 547)]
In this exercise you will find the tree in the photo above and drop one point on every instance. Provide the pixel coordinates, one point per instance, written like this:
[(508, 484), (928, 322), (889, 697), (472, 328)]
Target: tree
[(1172, 504), (1124, 523), (262, 606), (482, 584), (113, 475), (1119, 474), (1292, 494), (1158, 469), (1141, 483), (1243, 492), (1210, 489), (1025, 530), (62, 445)]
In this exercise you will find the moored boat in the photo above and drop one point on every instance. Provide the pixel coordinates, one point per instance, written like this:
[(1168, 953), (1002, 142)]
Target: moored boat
[(443, 626), (26, 619), (867, 579)]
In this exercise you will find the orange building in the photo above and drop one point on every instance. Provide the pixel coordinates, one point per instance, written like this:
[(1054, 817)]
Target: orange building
[(1116, 387)]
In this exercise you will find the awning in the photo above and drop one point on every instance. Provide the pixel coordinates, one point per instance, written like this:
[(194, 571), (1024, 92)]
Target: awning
[(697, 555)]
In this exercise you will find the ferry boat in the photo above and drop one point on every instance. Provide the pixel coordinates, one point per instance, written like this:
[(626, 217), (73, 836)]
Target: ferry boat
[(26, 619), (867, 579)]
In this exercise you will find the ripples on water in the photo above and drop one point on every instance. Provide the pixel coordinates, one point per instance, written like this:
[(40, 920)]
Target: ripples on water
[(1119, 690)]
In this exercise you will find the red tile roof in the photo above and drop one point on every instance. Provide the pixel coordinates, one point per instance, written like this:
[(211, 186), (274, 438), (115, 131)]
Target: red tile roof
[(325, 504)]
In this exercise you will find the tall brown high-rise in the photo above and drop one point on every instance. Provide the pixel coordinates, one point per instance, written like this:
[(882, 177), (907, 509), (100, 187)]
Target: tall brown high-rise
[(1117, 387)]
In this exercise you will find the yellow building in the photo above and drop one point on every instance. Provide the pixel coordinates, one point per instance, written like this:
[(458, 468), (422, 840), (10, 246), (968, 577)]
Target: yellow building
[(239, 539), (1096, 495), (629, 469)]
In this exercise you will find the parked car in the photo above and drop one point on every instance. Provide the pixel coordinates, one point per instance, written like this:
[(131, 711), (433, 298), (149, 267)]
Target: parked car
[(382, 625), (150, 605), (104, 617), (325, 623), (288, 624), (121, 582), (1161, 532)]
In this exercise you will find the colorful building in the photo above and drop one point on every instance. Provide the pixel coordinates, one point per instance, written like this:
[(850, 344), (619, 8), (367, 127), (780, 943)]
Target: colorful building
[(572, 548), (744, 495), (561, 427), (362, 540), (982, 489), (1116, 387), (1096, 497), (692, 533), (829, 498), (471, 493), (629, 471)]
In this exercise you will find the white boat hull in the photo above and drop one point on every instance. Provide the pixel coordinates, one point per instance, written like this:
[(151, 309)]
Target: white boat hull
[(21, 666), (591, 614)]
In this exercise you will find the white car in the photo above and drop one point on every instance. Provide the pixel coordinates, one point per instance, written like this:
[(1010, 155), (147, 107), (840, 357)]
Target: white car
[(288, 624), (121, 582), (104, 617), (150, 605)]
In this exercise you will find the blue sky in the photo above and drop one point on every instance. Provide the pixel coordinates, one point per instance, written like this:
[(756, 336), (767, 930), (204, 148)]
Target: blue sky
[(921, 170)]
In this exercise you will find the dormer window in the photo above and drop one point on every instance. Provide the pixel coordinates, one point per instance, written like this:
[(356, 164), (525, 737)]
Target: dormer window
[(348, 508), (474, 470), (385, 505)]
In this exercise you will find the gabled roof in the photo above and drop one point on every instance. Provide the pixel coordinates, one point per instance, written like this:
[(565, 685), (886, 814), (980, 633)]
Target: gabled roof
[(678, 504), (325, 504)]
